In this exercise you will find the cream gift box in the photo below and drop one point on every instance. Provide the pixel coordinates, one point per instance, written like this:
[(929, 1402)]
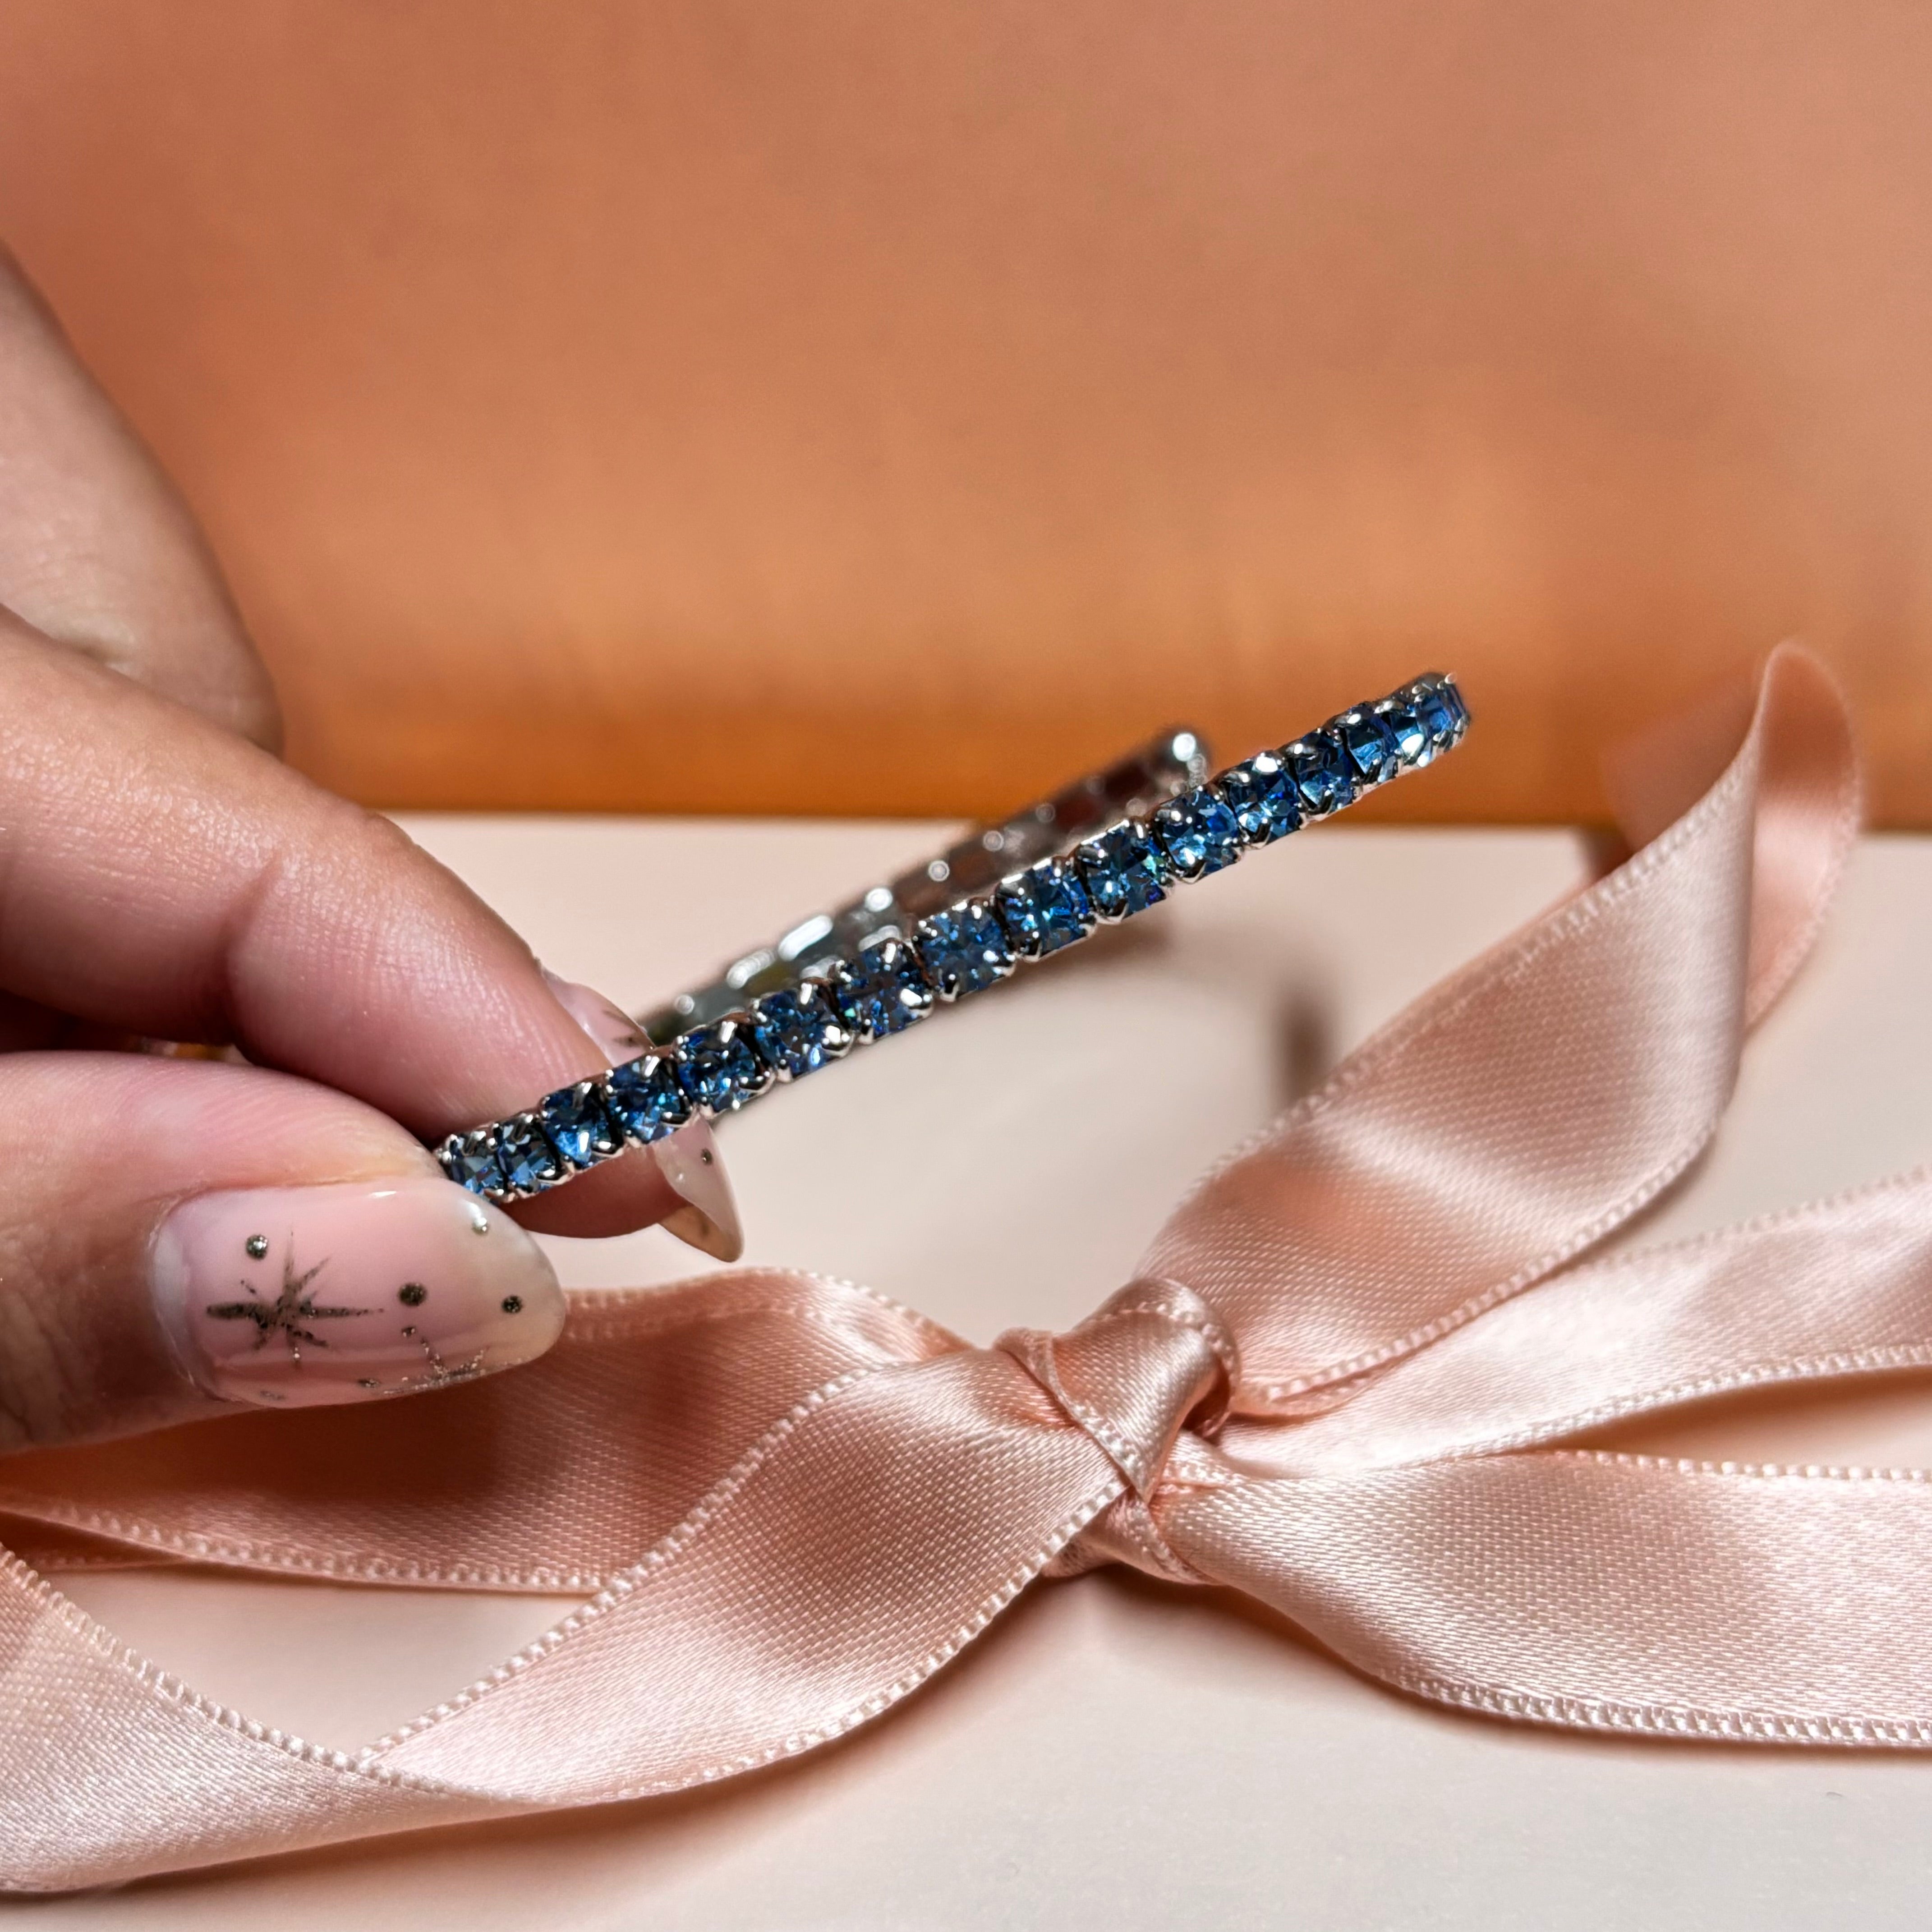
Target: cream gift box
[(1114, 1752)]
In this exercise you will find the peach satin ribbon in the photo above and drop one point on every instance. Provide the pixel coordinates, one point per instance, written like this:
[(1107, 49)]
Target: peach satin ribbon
[(1341, 1382)]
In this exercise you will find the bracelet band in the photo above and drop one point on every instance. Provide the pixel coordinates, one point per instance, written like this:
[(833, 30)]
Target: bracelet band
[(1131, 787), (1099, 852)]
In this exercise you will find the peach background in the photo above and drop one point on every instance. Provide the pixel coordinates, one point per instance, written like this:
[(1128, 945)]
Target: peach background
[(854, 407)]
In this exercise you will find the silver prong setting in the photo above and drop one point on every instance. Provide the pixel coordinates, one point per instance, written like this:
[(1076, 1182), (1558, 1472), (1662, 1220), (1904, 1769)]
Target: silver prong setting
[(1128, 836)]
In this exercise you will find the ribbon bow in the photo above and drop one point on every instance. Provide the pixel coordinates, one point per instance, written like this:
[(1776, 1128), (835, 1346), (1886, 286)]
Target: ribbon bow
[(1340, 1383)]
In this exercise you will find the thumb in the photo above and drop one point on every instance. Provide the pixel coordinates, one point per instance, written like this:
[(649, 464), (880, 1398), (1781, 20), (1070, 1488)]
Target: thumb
[(178, 1236)]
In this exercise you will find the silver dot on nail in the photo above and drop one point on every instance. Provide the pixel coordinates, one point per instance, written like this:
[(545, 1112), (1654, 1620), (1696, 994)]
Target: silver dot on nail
[(479, 1222), (257, 1245), (704, 1155)]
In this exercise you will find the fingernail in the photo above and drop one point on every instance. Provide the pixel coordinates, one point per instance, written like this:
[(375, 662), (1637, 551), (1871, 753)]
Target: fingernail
[(291, 1297), (618, 1036), (708, 1221), (689, 1159)]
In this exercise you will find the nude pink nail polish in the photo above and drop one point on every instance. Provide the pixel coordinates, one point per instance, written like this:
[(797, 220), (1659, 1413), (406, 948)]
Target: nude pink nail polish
[(618, 1036), (288, 1297), (708, 1221), (689, 1160)]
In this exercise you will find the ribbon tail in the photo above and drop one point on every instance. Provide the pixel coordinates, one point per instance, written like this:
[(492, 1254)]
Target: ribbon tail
[(1603, 1592), (859, 1543), (114, 1770), (1829, 1292), (869, 1538), (552, 1480), (1530, 1104)]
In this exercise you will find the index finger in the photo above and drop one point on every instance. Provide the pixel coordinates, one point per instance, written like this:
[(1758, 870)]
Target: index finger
[(97, 550), (159, 876)]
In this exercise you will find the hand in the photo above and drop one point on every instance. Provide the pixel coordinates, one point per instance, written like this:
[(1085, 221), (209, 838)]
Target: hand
[(177, 1233)]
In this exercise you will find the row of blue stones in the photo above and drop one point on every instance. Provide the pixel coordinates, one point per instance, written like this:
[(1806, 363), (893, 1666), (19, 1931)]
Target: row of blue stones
[(894, 983)]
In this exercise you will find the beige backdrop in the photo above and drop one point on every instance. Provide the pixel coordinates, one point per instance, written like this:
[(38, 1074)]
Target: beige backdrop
[(861, 407)]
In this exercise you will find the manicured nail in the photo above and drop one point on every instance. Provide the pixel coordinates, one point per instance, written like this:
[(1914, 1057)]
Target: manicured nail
[(688, 1158), (618, 1036), (708, 1221), (290, 1297)]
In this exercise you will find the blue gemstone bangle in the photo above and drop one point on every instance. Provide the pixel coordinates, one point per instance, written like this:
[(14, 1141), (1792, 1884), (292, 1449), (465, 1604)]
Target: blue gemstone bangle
[(1100, 851)]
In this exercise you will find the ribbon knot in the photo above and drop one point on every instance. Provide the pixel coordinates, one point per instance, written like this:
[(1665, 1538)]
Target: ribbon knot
[(1150, 1360), (1347, 1380)]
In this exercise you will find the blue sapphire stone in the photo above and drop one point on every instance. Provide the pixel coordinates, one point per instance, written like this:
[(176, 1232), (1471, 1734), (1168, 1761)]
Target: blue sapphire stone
[(470, 1160), (964, 950), (1410, 735), (719, 1067), (1321, 770), (1370, 744), (797, 1031), (1124, 871), (1262, 796), (578, 1127), (645, 1099), (530, 1163), (1438, 710), (1044, 908), (1199, 832), (1459, 710), (882, 991)]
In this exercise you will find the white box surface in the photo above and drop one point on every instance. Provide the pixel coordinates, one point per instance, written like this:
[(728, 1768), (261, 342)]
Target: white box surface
[(1113, 1754)]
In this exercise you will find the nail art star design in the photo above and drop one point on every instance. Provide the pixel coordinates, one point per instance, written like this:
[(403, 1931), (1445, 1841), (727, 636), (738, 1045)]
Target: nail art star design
[(290, 1314), (437, 1373)]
